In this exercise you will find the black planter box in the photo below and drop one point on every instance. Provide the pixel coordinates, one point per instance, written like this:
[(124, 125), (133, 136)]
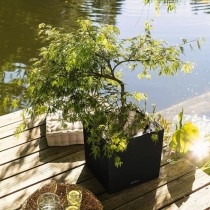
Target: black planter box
[(141, 163)]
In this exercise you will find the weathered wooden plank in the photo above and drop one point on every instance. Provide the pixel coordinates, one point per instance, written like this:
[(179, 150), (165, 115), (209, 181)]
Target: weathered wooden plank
[(197, 200), (24, 137), (168, 173), (31, 156), (10, 118), (170, 192), (79, 175), (45, 171), (23, 150), (36, 159), (165, 156), (92, 185), (10, 129)]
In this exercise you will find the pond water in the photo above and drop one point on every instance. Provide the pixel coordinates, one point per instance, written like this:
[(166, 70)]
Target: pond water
[(18, 39)]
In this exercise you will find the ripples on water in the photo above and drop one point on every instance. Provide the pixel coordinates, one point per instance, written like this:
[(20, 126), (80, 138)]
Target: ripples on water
[(18, 40), (200, 6)]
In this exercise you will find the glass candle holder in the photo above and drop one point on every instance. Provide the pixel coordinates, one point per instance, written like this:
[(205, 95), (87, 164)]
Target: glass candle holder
[(74, 197), (49, 201)]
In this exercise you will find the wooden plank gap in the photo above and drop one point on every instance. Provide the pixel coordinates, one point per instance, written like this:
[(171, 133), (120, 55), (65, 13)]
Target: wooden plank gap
[(14, 201), (24, 137), (10, 130), (33, 140), (40, 164), (50, 177), (48, 170)]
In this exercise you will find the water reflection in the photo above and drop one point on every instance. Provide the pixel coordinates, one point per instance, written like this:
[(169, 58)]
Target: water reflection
[(9, 76), (200, 6), (19, 20), (18, 30), (104, 11)]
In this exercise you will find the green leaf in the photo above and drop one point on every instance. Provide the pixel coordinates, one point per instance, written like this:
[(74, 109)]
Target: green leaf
[(198, 44), (118, 162), (184, 41), (157, 12), (202, 39), (181, 48), (133, 66), (171, 7), (187, 67), (139, 96), (15, 103), (206, 168), (154, 137), (6, 102), (147, 1), (183, 139), (140, 76), (147, 26), (191, 47), (180, 118), (20, 129)]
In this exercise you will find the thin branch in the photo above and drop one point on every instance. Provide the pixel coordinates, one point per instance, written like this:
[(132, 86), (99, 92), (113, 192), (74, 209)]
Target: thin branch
[(107, 61), (127, 61), (107, 77), (187, 42)]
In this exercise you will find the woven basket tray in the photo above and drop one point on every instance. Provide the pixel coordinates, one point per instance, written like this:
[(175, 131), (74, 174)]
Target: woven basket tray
[(89, 201)]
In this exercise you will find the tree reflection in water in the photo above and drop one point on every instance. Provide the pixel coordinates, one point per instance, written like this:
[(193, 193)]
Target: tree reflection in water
[(200, 6), (19, 20)]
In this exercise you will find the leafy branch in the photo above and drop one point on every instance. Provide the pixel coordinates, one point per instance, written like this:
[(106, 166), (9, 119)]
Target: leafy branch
[(79, 74)]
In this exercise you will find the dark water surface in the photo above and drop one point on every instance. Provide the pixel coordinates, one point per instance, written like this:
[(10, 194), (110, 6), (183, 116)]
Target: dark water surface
[(18, 39)]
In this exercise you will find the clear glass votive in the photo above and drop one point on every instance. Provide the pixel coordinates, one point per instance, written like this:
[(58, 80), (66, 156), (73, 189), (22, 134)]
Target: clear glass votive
[(49, 201), (74, 197)]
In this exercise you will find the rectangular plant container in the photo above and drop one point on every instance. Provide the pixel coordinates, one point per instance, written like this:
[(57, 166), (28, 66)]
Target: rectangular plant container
[(141, 163)]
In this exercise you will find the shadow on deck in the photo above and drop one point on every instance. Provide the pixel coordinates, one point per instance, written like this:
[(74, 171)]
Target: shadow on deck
[(27, 162)]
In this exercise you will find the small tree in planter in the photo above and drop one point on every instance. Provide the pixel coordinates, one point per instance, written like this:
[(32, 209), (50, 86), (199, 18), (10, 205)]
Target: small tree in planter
[(80, 74)]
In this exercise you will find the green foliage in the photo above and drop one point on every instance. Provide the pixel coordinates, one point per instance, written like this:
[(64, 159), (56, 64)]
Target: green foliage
[(166, 125), (184, 136), (154, 137), (118, 162), (206, 168), (6, 102), (180, 119), (80, 74), (170, 4)]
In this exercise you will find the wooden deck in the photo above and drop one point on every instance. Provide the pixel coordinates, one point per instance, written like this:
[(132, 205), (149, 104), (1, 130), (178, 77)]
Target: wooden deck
[(27, 162)]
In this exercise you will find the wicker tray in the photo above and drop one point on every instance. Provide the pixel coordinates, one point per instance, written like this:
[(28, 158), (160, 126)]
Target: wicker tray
[(89, 201)]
